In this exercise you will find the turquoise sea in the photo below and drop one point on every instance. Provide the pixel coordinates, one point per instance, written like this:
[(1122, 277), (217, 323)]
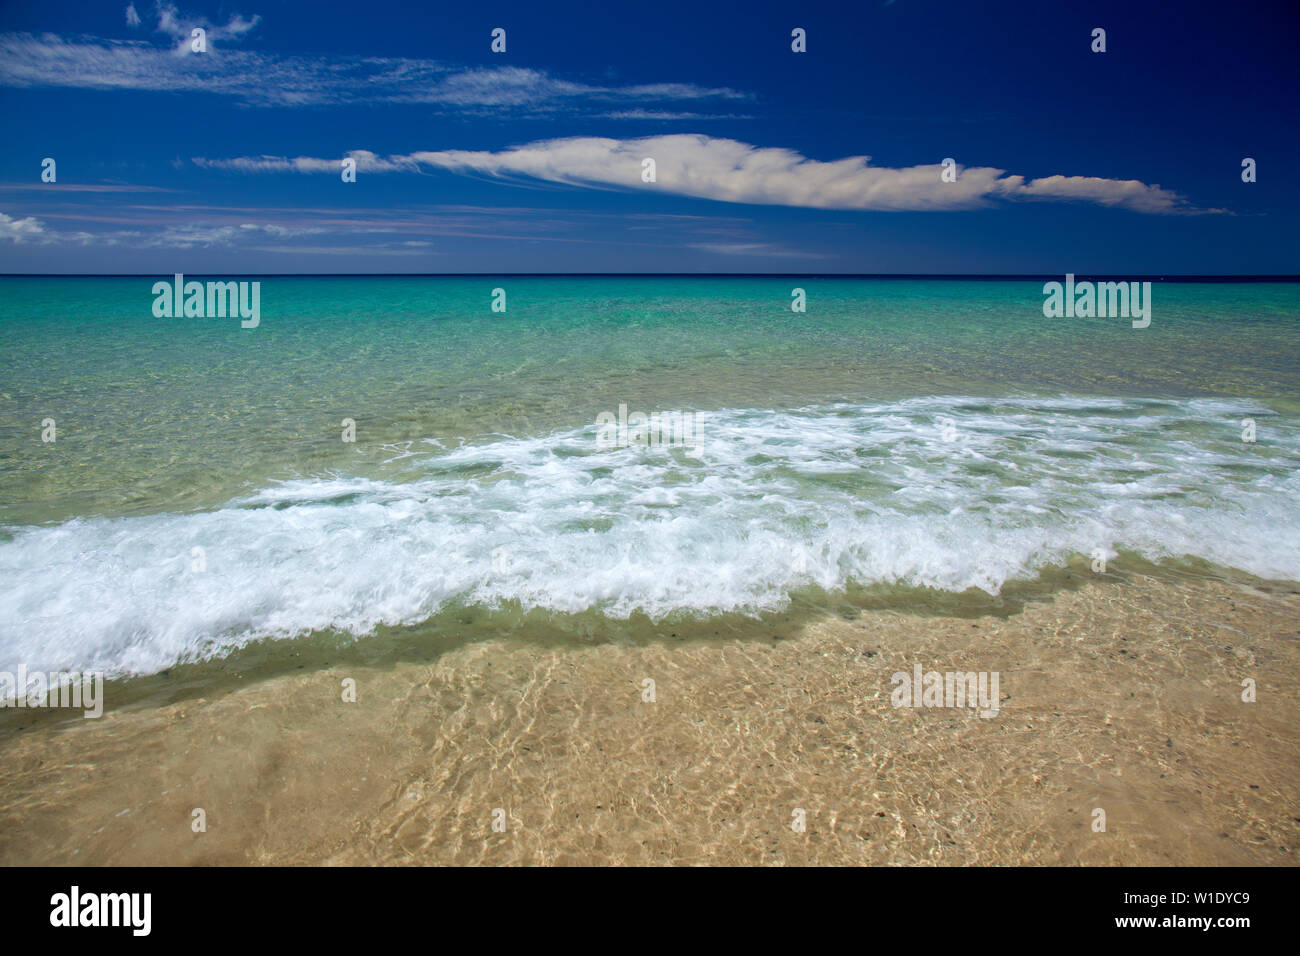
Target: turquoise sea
[(904, 440)]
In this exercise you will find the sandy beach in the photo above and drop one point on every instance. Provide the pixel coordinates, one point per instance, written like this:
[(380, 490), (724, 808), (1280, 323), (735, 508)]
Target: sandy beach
[(1120, 696)]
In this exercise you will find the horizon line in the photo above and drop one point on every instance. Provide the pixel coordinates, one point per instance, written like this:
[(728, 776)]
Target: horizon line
[(1024, 276)]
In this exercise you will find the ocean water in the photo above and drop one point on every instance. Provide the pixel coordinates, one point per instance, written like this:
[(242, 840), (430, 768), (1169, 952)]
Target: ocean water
[(925, 440)]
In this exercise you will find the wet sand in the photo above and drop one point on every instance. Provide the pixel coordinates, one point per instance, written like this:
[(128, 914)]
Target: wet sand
[(1124, 697)]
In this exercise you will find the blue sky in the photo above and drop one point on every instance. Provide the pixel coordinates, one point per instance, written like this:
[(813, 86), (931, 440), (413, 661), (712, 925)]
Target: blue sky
[(767, 160)]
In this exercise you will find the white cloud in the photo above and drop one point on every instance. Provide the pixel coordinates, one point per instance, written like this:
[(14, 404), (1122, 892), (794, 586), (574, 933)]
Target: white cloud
[(382, 249), (31, 229), (640, 114), (188, 235), (179, 26), (184, 235), (1126, 193), (83, 188), (132, 18), (504, 86), (21, 230), (265, 79), (367, 162), (727, 170), (764, 249)]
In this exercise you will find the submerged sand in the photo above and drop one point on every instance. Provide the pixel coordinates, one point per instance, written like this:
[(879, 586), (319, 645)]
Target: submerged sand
[(1124, 697)]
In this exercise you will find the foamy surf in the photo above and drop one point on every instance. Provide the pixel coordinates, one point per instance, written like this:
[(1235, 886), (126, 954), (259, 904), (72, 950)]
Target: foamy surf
[(944, 493)]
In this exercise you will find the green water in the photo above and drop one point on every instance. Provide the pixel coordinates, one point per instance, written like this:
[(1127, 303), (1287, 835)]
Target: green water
[(174, 414), (930, 445)]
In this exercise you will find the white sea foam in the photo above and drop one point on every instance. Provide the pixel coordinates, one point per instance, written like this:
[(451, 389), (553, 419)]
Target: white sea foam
[(775, 501)]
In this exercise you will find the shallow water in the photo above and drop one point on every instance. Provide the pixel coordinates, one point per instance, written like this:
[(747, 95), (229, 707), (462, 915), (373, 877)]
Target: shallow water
[(906, 438)]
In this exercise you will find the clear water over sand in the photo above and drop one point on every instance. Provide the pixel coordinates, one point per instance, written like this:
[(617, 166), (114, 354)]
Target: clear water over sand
[(926, 437), (909, 473)]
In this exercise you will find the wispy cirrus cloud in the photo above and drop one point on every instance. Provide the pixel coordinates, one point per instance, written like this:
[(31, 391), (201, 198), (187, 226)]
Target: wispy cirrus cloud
[(366, 161), (190, 235), (263, 79), (252, 78), (667, 115), (175, 235), (83, 188), (369, 249), (351, 230), (727, 170), (180, 26), (766, 250)]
